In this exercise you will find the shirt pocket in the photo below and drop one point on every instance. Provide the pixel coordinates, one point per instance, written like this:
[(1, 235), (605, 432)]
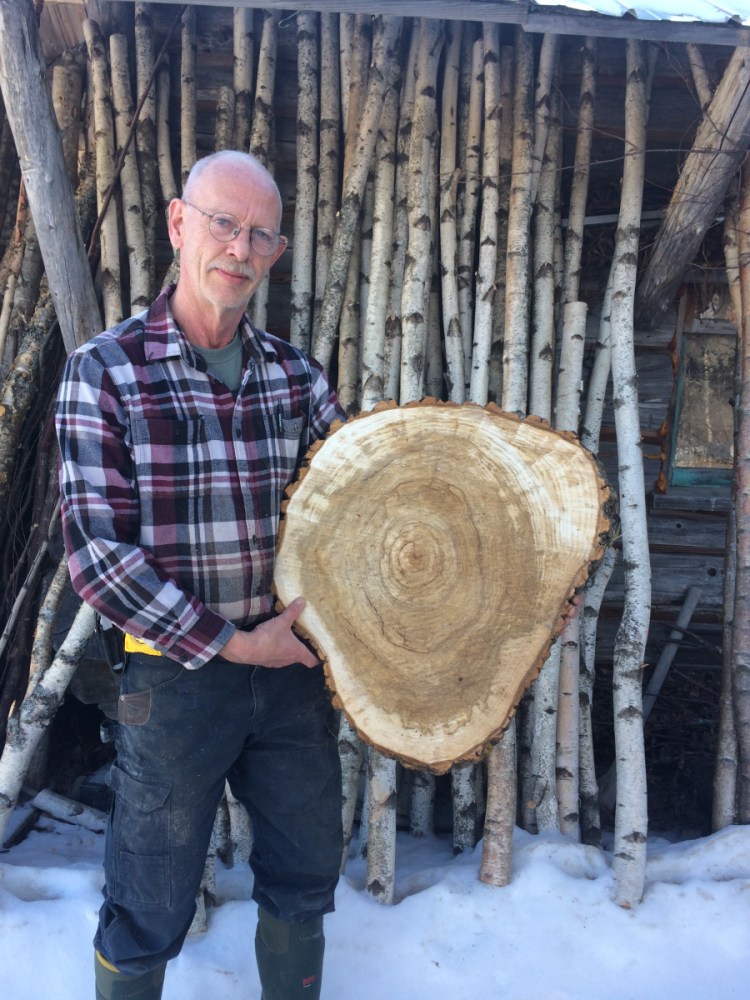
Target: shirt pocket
[(170, 455)]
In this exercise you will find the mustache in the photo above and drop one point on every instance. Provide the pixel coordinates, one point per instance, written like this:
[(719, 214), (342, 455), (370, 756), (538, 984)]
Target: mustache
[(234, 267)]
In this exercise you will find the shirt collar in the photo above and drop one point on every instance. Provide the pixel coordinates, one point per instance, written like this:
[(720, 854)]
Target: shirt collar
[(164, 339)]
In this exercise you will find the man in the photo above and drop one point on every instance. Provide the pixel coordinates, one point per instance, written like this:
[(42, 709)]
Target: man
[(179, 431)]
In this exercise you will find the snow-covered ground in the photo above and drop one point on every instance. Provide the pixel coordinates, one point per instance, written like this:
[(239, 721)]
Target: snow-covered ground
[(553, 934)]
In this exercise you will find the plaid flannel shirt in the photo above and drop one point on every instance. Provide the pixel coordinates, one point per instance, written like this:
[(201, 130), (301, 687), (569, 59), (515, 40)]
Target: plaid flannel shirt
[(171, 487)]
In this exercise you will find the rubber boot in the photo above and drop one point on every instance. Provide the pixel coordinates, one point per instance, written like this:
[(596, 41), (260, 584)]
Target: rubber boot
[(290, 958), (114, 985)]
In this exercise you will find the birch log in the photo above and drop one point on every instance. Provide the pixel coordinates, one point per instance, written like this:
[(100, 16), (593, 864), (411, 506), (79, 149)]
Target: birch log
[(631, 819), (454, 347), (488, 229), (504, 181), (352, 755), (393, 323), (324, 334), (328, 137), (350, 315), (588, 786), (308, 116), (188, 93), (262, 128), (109, 238), (702, 84), (224, 126), (724, 807), (243, 39), (542, 355), (568, 728), (741, 633), (515, 352), (145, 136), (130, 182), (37, 140), (719, 146), (542, 107), (422, 149), (373, 334), (468, 203), (497, 843), (581, 171), (36, 712), (164, 153)]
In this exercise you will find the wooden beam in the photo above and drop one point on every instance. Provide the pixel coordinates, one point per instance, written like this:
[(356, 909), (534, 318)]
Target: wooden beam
[(556, 20)]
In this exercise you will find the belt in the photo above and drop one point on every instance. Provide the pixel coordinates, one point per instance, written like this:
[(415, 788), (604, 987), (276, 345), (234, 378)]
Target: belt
[(136, 645)]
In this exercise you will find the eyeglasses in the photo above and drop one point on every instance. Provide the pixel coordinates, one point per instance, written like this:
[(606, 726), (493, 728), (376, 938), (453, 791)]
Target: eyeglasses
[(225, 227)]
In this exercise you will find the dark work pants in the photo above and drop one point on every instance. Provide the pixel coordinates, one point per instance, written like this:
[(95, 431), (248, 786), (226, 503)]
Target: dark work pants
[(271, 733)]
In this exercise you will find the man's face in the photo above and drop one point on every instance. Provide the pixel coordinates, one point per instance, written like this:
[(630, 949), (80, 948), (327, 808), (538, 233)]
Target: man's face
[(216, 275)]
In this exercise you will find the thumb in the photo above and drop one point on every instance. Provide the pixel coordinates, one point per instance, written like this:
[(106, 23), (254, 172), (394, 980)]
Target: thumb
[(294, 610)]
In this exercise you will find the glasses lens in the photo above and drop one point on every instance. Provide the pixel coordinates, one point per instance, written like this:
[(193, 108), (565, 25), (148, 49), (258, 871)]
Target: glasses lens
[(224, 227), (264, 241)]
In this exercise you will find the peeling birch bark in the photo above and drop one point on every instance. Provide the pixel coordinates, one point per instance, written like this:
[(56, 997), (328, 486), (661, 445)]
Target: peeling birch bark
[(631, 817)]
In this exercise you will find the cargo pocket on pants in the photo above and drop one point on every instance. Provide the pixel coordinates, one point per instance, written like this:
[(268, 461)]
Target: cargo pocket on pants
[(138, 874)]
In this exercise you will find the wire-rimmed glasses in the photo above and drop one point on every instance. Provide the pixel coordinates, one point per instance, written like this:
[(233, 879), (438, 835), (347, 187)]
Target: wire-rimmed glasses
[(225, 227)]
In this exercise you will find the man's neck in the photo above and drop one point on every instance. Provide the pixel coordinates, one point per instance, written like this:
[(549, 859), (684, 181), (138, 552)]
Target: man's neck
[(211, 328)]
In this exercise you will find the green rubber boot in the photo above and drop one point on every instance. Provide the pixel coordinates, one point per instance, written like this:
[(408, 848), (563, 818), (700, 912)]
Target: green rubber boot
[(290, 958), (114, 985)]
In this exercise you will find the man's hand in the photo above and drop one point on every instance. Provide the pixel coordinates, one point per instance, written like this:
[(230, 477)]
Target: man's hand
[(272, 644)]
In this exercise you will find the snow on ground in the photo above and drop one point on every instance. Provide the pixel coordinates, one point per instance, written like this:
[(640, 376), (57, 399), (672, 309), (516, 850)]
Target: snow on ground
[(552, 934)]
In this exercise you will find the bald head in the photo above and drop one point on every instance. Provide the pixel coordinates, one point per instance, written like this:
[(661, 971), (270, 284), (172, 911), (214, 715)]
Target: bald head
[(235, 166)]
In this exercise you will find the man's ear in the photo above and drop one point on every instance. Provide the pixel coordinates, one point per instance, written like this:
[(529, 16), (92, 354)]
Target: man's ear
[(175, 221)]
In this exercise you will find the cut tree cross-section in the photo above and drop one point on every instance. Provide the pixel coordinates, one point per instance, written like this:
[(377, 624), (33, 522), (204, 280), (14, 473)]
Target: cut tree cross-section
[(438, 547)]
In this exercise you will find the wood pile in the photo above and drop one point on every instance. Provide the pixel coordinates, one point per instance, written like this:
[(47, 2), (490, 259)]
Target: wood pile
[(429, 258)]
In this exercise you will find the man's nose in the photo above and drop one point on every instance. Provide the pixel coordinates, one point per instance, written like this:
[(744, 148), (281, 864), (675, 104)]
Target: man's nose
[(240, 246)]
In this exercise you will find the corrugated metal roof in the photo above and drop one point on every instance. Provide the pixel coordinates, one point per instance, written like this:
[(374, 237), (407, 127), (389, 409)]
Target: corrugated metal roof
[(661, 10)]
